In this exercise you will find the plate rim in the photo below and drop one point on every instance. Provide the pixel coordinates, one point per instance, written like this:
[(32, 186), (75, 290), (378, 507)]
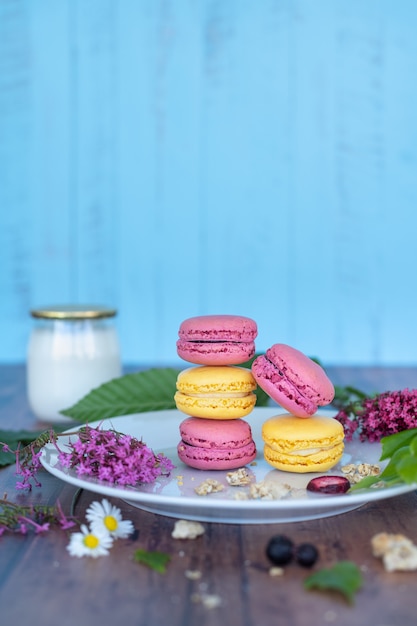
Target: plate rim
[(135, 496)]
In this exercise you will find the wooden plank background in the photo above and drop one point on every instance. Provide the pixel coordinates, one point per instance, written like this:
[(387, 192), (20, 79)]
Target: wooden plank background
[(182, 157)]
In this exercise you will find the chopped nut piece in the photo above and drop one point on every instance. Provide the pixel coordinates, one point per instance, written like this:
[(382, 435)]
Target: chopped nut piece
[(355, 473), (185, 529), (265, 490), (241, 495), (193, 574), (208, 600), (397, 551), (208, 486), (238, 477), (276, 571)]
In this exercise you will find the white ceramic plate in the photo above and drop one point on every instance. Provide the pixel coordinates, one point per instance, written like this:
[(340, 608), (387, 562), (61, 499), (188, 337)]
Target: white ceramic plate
[(174, 496)]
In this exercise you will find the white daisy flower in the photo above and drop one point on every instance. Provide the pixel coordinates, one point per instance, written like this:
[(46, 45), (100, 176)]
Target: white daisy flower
[(88, 542), (104, 517)]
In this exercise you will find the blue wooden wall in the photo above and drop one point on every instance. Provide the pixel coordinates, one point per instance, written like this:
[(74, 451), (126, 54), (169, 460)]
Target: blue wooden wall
[(181, 157)]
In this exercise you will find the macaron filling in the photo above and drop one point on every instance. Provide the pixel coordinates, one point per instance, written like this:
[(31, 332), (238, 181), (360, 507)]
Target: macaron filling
[(215, 345), (216, 458)]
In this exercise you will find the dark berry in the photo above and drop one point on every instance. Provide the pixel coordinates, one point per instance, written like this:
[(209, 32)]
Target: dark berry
[(329, 484), (306, 554), (280, 550)]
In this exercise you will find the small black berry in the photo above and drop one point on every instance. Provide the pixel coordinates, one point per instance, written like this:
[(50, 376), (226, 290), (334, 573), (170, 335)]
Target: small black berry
[(306, 554), (280, 550)]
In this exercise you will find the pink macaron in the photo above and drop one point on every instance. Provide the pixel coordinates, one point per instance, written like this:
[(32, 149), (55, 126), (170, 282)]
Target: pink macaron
[(293, 380), (209, 445), (217, 339)]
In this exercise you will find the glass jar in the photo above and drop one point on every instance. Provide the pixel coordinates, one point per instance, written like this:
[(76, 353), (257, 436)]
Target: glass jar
[(72, 350)]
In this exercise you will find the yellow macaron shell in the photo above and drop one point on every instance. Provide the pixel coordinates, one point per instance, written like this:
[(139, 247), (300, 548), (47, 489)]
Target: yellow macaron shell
[(216, 392), (295, 444)]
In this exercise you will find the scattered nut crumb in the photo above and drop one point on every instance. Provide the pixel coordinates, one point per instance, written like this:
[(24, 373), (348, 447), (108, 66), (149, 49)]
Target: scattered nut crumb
[(193, 574), (185, 529), (241, 495), (330, 616), (354, 473), (397, 551), (239, 477), (276, 571), (296, 492), (208, 486), (265, 490), (208, 600)]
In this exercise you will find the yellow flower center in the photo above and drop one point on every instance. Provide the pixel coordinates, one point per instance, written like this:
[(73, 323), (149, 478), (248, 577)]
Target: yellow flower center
[(110, 523), (91, 541)]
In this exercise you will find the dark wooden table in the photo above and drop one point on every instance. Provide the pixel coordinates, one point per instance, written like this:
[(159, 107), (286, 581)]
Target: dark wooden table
[(40, 584)]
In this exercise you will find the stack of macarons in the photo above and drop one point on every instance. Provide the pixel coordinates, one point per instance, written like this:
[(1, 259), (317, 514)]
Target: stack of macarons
[(300, 440), (215, 393)]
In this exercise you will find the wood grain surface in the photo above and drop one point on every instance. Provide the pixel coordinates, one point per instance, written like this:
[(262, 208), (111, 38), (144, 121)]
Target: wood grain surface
[(42, 585)]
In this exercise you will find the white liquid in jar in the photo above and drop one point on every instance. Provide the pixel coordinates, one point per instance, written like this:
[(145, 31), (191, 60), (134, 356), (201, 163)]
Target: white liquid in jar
[(66, 360)]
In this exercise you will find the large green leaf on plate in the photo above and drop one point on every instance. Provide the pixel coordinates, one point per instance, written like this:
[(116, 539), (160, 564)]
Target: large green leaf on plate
[(151, 390)]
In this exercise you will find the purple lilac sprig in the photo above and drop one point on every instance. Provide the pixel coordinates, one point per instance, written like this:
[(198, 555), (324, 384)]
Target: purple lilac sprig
[(17, 518), (379, 416), (113, 457), (104, 454), (28, 459)]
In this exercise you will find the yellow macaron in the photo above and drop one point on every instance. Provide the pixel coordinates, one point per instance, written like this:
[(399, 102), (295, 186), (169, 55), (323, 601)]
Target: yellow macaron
[(296, 444), (216, 392)]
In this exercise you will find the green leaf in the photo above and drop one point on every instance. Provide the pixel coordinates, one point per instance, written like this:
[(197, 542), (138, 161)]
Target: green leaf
[(389, 475), (12, 438), (151, 390), (155, 560), (413, 446), (344, 577), (407, 468), (391, 443), (348, 398)]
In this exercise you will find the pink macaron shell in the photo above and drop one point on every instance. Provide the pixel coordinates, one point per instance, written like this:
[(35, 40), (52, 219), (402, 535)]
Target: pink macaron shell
[(216, 458), (207, 433), (307, 375), (215, 353), (293, 380), (281, 390), (218, 328)]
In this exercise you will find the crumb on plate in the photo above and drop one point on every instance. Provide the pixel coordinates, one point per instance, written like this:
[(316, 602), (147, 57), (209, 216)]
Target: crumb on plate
[(208, 486), (265, 490), (239, 477), (355, 472)]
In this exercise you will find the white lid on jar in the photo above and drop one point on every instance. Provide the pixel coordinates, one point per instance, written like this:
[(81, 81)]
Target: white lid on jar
[(73, 312)]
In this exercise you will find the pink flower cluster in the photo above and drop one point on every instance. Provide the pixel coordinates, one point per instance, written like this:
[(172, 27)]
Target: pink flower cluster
[(114, 457), (382, 415), (27, 464)]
